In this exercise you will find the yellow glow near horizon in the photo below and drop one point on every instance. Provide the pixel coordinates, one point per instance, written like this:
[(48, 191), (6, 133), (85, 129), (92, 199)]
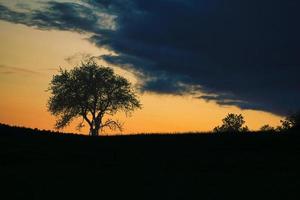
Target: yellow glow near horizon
[(29, 58)]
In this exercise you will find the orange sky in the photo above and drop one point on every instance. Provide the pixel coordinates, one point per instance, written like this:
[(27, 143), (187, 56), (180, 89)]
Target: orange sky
[(29, 58)]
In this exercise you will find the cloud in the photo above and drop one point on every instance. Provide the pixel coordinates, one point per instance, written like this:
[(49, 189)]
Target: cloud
[(61, 16), (242, 53), (229, 100)]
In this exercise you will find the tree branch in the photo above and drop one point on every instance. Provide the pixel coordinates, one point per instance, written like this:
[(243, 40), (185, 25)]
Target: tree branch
[(84, 115), (113, 125)]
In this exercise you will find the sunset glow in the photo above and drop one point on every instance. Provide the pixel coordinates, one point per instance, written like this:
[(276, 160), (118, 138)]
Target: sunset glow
[(29, 57)]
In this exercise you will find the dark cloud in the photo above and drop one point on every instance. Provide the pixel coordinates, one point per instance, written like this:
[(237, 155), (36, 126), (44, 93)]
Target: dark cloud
[(243, 53), (58, 15), (229, 100), (11, 16)]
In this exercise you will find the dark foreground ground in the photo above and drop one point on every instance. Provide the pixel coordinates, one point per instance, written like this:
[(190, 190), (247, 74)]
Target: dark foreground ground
[(44, 165)]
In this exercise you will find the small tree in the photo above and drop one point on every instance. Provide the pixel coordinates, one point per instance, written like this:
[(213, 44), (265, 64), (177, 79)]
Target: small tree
[(267, 128), (91, 92), (232, 123), (290, 122)]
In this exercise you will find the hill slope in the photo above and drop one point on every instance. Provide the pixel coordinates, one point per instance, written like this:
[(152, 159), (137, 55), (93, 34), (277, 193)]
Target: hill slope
[(45, 165)]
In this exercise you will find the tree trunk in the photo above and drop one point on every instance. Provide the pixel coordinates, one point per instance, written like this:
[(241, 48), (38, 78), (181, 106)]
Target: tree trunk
[(94, 131), (95, 127), (91, 131)]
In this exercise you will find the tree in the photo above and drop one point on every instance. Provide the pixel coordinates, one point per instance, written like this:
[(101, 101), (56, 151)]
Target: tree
[(267, 128), (291, 122), (232, 123), (91, 92)]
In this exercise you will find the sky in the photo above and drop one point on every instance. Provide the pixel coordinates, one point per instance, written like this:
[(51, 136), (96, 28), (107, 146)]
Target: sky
[(193, 61)]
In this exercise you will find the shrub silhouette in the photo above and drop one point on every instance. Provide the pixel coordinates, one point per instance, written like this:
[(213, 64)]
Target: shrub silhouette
[(91, 92), (232, 123), (267, 128)]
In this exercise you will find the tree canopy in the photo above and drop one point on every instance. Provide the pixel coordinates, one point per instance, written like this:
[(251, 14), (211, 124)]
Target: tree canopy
[(267, 128), (291, 122), (232, 123), (91, 92)]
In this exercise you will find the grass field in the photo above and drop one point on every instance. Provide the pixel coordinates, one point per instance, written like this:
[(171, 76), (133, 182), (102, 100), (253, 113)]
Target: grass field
[(45, 165)]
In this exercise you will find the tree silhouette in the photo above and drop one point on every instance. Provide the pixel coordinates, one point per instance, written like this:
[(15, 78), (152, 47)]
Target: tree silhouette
[(291, 122), (91, 92), (267, 128), (232, 123)]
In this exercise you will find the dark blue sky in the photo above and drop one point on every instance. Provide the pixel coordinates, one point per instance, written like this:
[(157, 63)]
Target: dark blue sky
[(237, 52)]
